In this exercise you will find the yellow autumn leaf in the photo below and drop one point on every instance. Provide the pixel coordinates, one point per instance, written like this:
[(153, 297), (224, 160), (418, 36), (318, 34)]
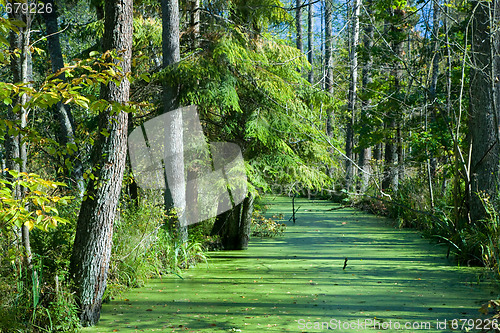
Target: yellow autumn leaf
[(30, 224)]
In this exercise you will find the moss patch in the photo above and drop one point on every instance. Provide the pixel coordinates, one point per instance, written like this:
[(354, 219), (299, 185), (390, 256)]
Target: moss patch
[(392, 277)]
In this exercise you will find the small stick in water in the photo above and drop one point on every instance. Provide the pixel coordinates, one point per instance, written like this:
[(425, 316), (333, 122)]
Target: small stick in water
[(345, 263)]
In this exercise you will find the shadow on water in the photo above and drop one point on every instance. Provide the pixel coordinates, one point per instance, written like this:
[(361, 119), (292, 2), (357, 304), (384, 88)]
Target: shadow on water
[(391, 276)]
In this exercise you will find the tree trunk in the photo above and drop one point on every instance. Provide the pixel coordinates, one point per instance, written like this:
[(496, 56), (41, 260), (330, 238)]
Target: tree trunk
[(390, 181), (94, 232), (322, 46), (66, 133), (394, 140), (483, 119), (195, 22), (170, 48), (365, 153), (400, 152), (329, 70), (352, 96), (175, 191), (328, 47), (431, 160), (377, 152), (457, 188), (133, 187), (16, 147), (298, 24), (233, 226), (310, 47)]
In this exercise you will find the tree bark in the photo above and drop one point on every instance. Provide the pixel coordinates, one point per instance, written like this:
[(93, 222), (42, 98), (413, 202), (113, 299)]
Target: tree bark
[(328, 47), (310, 47), (233, 226), (352, 95), (365, 153), (431, 104), (94, 233), (133, 188), (322, 46), (329, 69), (66, 133), (390, 181), (483, 119), (195, 22), (394, 141), (16, 147), (298, 24), (175, 191)]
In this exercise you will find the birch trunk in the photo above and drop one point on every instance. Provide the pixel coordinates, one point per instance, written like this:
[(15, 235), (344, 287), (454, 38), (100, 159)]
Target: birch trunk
[(175, 192), (352, 97)]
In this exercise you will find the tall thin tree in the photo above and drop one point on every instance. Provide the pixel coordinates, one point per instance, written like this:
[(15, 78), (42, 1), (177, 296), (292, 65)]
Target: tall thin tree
[(431, 160), (66, 133), (298, 25), (365, 152), (352, 96), (328, 75), (15, 144), (195, 22), (328, 60), (393, 116), (310, 40), (175, 191), (484, 100)]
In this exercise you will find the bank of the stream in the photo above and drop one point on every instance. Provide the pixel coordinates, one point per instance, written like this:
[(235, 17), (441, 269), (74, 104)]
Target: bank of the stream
[(392, 278)]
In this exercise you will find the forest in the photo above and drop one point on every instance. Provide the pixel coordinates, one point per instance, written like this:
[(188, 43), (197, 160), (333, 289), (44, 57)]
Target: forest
[(139, 137)]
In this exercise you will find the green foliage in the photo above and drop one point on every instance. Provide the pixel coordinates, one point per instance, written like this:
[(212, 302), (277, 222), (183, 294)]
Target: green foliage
[(251, 93), (36, 298), (31, 300), (29, 303), (258, 14), (143, 248), (37, 208), (471, 243)]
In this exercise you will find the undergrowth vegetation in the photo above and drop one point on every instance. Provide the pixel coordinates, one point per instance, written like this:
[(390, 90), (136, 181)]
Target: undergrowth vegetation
[(472, 244), (144, 248), (266, 227), (41, 299)]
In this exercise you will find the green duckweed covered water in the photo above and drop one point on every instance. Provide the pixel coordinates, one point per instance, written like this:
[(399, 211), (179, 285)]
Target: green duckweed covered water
[(394, 281)]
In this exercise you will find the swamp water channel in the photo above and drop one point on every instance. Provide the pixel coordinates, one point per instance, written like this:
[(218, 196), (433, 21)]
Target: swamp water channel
[(296, 283)]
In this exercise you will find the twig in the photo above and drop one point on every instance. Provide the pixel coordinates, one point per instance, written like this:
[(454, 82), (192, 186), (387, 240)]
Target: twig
[(52, 34)]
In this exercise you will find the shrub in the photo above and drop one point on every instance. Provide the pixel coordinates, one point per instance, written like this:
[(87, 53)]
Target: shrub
[(143, 248), (262, 227), (29, 303)]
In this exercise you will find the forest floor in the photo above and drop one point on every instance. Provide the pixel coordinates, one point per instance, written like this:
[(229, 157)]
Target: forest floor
[(296, 283)]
